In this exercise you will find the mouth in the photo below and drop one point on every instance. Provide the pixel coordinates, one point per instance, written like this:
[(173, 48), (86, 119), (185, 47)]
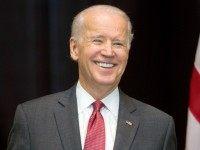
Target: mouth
[(105, 64)]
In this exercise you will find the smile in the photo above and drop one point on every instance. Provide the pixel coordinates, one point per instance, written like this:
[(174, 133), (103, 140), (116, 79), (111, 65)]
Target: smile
[(105, 64)]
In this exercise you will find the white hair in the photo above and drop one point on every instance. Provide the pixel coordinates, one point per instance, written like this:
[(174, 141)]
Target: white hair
[(78, 21)]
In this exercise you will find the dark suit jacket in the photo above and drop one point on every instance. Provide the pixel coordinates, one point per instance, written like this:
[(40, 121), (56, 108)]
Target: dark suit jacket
[(51, 123)]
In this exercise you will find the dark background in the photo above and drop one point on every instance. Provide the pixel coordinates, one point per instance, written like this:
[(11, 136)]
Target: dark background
[(34, 53)]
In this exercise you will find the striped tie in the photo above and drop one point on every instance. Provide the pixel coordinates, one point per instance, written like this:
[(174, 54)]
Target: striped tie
[(95, 138)]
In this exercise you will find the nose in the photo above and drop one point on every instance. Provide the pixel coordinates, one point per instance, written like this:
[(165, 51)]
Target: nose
[(108, 50)]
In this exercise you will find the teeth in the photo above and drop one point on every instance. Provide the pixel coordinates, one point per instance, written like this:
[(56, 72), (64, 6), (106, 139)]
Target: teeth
[(104, 65)]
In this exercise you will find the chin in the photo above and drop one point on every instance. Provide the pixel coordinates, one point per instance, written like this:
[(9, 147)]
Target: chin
[(106, 82)]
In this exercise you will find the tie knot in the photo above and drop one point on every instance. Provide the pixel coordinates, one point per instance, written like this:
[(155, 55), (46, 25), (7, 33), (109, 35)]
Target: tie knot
[(97, 105)]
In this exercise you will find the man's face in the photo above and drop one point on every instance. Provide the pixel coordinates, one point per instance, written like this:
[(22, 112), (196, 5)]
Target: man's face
[(102, 51)]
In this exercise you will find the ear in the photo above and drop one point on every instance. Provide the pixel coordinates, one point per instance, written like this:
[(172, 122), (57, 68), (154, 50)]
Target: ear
[(73, 49)]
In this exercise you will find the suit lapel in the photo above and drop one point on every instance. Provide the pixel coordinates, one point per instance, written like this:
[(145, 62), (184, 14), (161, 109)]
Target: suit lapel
[(66, 116), (127, 125)]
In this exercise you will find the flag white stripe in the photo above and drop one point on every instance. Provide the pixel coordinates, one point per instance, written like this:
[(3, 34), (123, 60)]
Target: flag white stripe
[(193, 133), (197, 59), (193, 125)]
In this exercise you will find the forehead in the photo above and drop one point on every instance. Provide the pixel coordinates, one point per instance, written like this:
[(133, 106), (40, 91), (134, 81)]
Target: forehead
[(113, 24)]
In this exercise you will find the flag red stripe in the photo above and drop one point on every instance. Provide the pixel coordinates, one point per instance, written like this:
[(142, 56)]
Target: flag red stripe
[(194, 102)]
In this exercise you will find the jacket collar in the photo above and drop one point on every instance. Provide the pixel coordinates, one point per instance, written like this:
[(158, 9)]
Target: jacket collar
[(128, 123), (66, 116)]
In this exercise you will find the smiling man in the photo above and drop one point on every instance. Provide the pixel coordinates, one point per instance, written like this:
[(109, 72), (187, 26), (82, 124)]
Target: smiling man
[(94, 114), (101, 48)]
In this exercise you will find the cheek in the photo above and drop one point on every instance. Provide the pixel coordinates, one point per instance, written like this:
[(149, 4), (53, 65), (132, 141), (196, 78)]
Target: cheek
[(83, 53), (91, 53), (123, 57), (123, 62)]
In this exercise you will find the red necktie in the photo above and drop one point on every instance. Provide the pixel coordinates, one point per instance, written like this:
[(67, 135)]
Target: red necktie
[(95, 138)]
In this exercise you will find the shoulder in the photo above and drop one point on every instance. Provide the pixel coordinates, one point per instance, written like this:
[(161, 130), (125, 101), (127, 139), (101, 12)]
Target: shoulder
[(46, 103), (155, 124), (47, 100), (146, 111), (150, 113)]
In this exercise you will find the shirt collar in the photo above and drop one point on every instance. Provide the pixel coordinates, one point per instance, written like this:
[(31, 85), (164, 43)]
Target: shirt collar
[(84, 100)]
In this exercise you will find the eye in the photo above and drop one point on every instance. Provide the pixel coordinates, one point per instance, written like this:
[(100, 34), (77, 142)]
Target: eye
[(118, 44), (97, 41)]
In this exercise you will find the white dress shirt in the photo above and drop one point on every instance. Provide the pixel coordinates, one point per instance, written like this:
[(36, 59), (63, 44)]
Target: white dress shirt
[(109, 113)]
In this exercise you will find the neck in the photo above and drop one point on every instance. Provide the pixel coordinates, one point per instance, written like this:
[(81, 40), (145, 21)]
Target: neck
[(98, 92)]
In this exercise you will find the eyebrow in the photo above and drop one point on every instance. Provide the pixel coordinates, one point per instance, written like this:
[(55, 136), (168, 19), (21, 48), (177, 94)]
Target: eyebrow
[(103, 37), (97, 36)]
